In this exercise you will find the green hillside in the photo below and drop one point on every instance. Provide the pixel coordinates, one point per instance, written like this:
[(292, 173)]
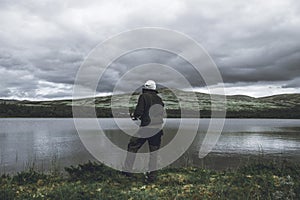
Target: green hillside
[(237, 106)]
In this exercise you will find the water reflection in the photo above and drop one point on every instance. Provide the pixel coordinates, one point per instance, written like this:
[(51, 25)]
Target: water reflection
[(46, 142)]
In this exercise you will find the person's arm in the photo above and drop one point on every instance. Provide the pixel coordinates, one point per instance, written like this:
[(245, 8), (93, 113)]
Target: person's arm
[(140, 107)]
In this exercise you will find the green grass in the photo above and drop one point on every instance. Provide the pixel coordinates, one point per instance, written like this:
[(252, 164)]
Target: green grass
[(258, 180)]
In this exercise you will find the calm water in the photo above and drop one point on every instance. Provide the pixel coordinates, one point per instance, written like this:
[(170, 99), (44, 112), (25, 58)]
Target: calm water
[(54, 143)]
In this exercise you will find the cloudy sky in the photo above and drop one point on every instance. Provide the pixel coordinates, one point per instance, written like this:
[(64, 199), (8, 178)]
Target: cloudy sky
[(255, 44)]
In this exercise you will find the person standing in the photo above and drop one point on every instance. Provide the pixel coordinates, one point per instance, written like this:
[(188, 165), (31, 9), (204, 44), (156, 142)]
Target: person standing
[(150, 110)]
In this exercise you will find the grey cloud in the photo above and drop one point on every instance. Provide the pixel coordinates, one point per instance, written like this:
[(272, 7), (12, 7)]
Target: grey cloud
[(295, 83), (49, 40), (137, 58), (283, 67), (244, 47), (17, 83)]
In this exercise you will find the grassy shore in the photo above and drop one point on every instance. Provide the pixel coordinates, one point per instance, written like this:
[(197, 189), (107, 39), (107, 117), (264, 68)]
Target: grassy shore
[(258, 180)]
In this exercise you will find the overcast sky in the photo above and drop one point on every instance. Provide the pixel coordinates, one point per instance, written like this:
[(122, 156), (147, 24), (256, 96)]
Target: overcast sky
[(255, 44)]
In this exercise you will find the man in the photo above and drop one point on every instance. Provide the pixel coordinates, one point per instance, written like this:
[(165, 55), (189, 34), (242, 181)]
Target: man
[(149, 110)]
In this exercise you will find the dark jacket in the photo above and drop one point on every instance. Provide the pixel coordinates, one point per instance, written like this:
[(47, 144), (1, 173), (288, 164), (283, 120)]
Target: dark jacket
[(149, 108)]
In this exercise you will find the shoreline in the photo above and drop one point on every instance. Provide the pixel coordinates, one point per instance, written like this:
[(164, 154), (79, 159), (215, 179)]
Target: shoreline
[(213, 161)]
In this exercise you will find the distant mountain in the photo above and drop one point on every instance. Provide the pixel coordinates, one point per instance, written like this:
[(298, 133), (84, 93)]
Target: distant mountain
[(237, 106)]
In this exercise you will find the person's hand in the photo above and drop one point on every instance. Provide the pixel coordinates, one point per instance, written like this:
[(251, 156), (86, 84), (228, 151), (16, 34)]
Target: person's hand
[(133, 117)]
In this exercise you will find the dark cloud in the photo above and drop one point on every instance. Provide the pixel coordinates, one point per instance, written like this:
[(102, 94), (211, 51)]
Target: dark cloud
[(43, 43), (141, 57), (276, 68)]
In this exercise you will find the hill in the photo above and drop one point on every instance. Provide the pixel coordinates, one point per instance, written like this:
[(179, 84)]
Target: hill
[(237, 106)]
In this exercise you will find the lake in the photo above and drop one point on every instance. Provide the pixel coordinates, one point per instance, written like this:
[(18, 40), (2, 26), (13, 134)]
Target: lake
[(46, 143)]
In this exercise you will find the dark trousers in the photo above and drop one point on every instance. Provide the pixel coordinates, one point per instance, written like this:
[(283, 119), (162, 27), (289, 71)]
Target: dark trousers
[(135, 143)]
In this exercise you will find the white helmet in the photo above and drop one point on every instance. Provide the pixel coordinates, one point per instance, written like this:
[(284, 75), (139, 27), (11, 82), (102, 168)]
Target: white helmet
[(151, 85)]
